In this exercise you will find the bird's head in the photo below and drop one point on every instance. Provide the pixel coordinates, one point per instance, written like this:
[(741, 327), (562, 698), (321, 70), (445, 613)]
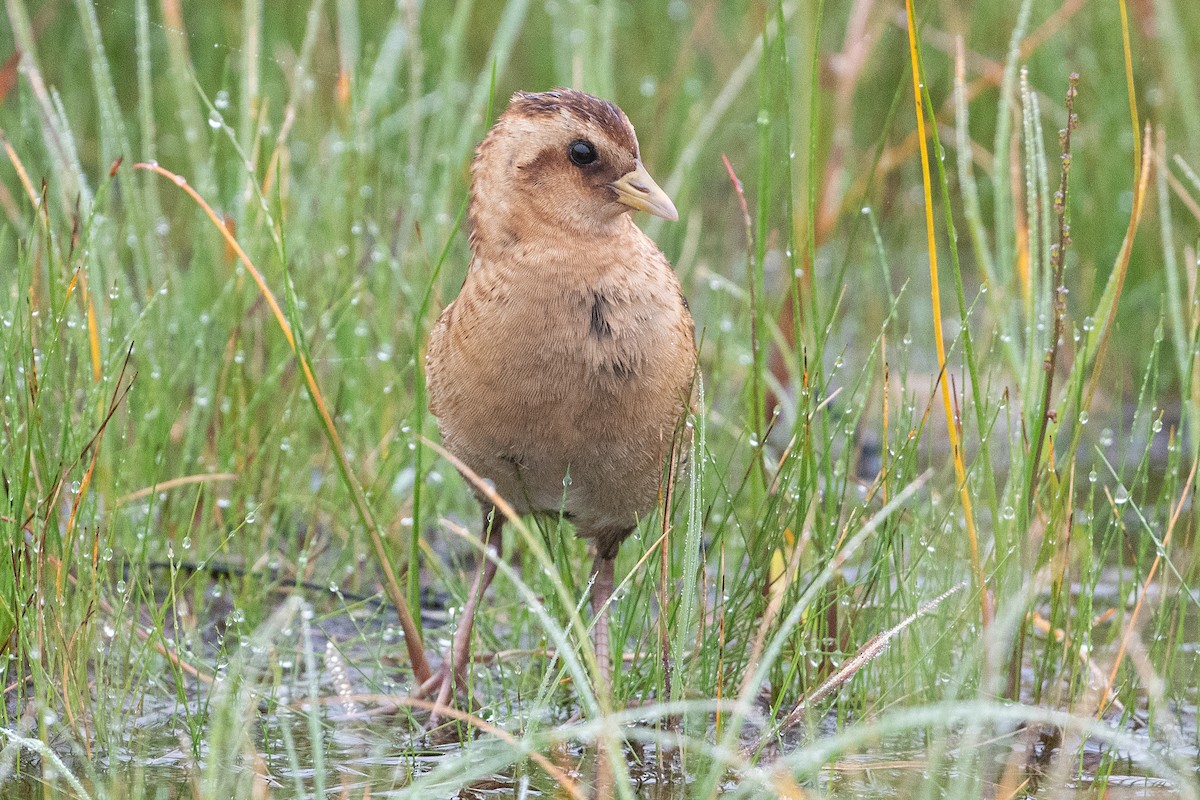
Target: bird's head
[(563, 159)]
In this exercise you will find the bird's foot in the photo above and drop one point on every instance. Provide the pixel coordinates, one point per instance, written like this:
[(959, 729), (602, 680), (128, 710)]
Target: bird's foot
[(440, 688)]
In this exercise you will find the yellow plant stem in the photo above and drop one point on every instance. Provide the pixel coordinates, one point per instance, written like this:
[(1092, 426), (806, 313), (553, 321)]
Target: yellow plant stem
[(935, 296)]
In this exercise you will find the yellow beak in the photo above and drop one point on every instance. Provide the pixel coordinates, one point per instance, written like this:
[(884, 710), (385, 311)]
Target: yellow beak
[(639, 191)]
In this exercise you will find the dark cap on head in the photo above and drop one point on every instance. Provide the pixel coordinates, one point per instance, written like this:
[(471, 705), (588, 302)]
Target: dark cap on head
[(581, 105)]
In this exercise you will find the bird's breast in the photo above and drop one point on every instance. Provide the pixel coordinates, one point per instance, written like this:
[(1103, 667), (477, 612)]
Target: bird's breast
[(534, 379)]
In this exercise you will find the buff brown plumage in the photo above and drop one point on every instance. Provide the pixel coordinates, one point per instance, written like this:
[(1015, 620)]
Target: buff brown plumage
[(563, 369)]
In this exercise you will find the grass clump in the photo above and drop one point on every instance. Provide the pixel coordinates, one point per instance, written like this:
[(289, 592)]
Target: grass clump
[(951, 526)]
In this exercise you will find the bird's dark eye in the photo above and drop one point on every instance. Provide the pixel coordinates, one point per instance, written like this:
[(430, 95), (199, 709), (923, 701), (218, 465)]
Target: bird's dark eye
[(581, 152)]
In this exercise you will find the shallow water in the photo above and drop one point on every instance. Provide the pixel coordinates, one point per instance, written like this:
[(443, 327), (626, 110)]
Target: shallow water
[(372, 746)]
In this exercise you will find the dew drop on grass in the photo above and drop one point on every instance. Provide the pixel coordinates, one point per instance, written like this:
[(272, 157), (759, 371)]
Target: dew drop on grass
[(1157, 426), (1083, 418), (121, 587), (1106, 437), (1093, 477), (1121, 495)]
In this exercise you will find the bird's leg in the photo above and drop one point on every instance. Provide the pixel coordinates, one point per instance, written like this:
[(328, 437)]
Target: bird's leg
[(602, 589), (453, 673)]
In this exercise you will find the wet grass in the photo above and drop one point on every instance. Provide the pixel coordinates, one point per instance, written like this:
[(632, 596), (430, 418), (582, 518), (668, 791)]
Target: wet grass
[(227, 234)]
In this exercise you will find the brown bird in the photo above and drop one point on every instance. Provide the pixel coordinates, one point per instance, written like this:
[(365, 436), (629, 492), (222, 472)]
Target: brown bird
[(564, 368)]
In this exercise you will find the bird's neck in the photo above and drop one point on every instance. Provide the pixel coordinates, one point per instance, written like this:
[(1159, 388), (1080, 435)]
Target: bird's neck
[(517, 239)]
